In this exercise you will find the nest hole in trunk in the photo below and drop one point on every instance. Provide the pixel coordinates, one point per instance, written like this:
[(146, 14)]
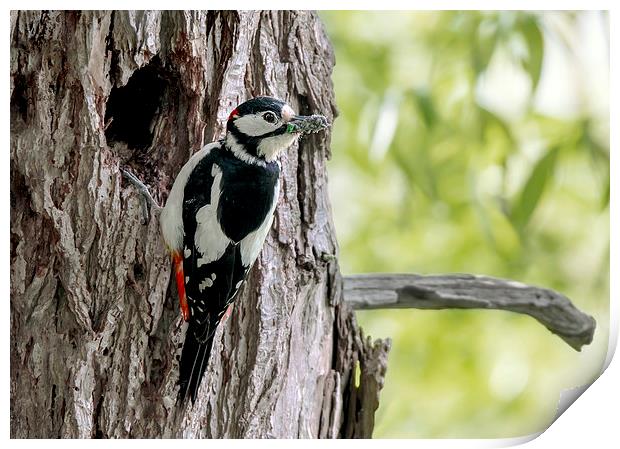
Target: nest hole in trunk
[(145, 119), (132, 110)]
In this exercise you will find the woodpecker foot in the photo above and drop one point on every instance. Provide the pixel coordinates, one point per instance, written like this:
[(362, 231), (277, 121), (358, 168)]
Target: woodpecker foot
[(147, 199)]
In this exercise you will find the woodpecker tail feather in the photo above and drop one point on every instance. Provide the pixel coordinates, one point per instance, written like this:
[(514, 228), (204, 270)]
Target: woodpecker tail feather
[(194, 360)]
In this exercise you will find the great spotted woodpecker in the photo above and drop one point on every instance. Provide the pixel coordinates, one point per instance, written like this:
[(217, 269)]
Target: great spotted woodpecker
[(217, 216)]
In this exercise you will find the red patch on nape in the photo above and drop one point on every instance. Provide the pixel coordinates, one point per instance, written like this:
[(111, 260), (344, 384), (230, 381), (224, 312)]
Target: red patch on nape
[(233, 114)]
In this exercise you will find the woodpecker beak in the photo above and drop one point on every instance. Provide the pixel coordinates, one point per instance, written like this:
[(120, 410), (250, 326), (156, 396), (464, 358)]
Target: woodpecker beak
[(306, 124), (298, 120)]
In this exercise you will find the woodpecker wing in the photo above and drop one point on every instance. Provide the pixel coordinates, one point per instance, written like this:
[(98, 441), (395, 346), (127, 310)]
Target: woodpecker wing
[(227, 212), (208, 254)]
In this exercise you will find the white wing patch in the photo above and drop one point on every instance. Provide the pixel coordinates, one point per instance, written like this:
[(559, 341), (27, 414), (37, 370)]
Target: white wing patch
[(253, 242), (207, 282), (211, 242), (171, 218)]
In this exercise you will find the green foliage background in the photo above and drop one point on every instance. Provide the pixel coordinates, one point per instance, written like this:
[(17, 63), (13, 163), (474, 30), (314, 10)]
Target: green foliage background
[(428, 176)]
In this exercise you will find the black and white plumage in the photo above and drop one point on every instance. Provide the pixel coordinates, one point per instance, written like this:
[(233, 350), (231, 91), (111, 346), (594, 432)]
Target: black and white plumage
[(217, 217)]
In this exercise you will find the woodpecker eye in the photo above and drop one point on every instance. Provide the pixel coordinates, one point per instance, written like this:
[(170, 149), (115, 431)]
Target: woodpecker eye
[(270, 117)]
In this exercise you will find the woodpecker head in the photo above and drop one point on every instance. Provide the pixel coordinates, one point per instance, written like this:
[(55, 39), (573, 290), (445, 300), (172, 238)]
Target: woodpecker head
[(261, 128)]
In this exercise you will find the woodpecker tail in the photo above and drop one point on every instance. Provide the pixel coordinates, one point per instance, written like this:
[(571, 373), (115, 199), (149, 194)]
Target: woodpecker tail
[(194, 360)]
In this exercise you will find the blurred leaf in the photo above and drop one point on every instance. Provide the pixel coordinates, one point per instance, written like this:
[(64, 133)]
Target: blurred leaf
[(605, 195), (481, 213), (530, 29), (533, 189), (488, 119), (417, 169), (413, 211), (485, 42), (508, 243), (599, 152), (424, 104), (599, 155)]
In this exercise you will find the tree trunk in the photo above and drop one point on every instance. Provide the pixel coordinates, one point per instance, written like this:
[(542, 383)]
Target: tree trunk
[(95, 327)]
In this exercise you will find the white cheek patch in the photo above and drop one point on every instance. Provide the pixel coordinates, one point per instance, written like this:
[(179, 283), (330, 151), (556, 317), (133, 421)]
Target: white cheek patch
[(254, 125), (271, 147)]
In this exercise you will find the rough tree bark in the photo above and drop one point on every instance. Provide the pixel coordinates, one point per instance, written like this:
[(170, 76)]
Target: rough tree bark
[(95, 326)]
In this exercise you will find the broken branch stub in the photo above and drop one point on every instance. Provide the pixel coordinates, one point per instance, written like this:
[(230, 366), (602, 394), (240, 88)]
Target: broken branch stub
[(466, 291)]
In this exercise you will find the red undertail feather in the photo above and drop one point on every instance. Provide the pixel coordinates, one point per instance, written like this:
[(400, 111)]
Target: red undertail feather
[(178, 268)]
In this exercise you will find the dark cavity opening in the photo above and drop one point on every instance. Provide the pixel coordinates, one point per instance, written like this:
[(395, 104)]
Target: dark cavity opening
[(19, 99), (131, 110)]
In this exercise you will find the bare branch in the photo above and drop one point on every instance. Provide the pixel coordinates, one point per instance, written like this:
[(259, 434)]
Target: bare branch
[(147, 199), (465, 291)]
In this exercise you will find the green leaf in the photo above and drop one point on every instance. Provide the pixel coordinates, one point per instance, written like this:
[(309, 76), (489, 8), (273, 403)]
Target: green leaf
[(530, 29), (483, 46), (533, 190), (417, 170), (424, 104), (605, 195), (488, 119)]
